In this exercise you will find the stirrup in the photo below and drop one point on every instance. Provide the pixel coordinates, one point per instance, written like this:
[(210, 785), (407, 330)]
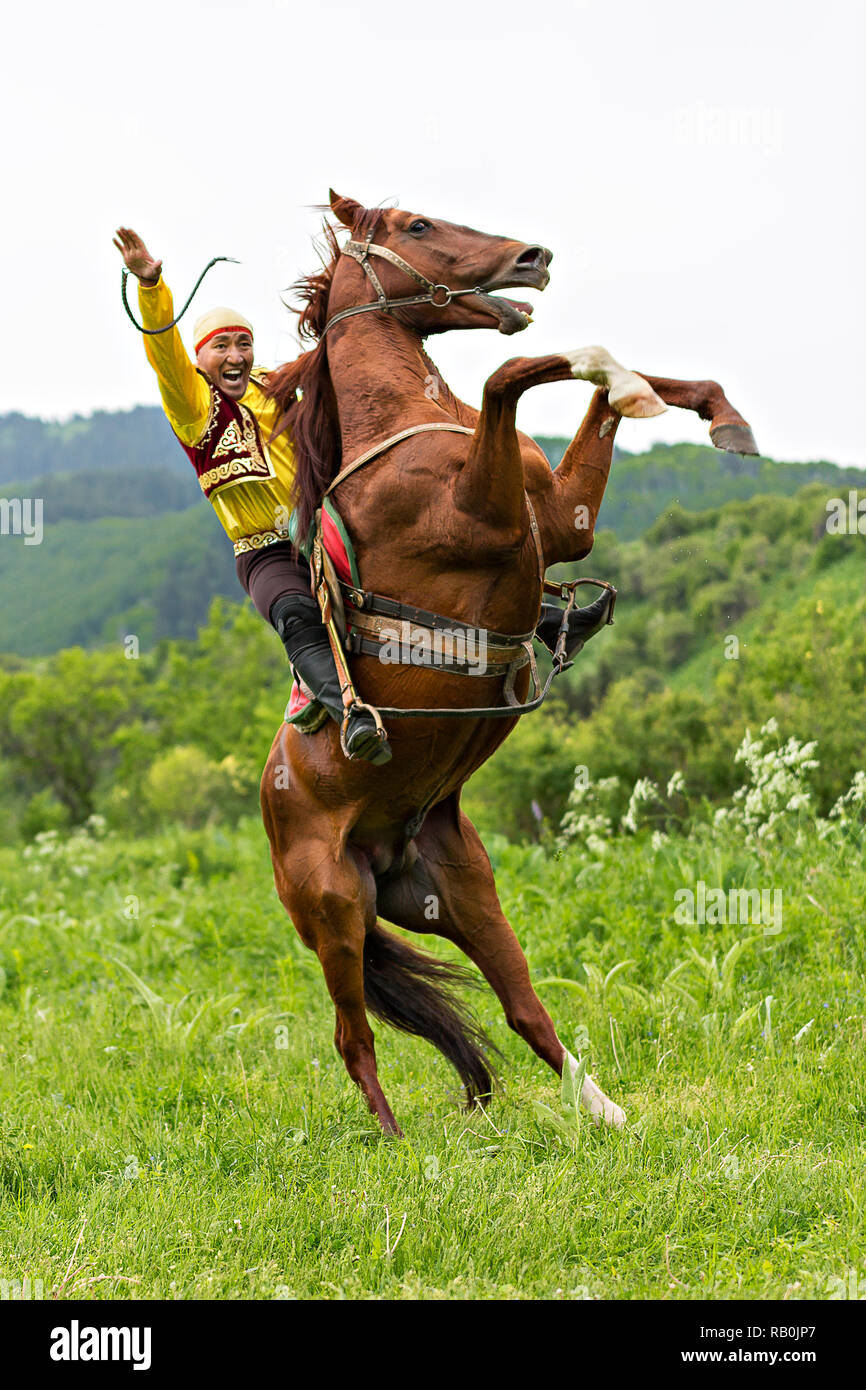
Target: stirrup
[(586, 622), (357, 707), (577, 625)]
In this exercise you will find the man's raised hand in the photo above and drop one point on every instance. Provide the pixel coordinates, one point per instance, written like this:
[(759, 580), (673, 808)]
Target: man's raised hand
[(136, 256)]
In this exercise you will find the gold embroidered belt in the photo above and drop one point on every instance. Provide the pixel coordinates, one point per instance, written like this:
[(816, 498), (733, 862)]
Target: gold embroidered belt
[(259, 539)]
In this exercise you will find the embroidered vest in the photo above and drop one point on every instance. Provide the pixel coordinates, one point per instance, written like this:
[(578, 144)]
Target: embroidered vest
[(231, 450)]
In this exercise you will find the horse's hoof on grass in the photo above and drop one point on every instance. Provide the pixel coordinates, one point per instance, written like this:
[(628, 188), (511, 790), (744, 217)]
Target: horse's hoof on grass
[(600, 1106), (734, 439), (612, 1115)]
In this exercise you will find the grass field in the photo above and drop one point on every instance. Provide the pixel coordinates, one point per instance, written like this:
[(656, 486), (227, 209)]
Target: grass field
[(176, 1122)]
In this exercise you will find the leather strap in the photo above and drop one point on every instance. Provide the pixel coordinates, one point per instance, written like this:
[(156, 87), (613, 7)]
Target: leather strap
[(440, 296), (513, 707), (429, 427), (360, 645), (384, 444), (536, 536), (361, 601)]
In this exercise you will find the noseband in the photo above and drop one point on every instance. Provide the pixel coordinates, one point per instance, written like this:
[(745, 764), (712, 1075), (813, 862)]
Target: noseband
[(440, 296)]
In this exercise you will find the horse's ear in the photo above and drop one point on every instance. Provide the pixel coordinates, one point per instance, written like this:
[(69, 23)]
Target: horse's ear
[(345, 209)]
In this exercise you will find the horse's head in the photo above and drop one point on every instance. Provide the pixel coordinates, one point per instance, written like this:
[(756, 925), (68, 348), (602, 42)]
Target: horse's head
[(444, 255)]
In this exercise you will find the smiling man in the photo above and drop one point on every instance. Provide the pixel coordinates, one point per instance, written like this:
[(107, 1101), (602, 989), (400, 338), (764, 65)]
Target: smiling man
[(222, 417)]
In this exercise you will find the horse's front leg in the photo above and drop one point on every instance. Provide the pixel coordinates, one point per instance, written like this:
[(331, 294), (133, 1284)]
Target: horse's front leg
[(567, 501), (499, 466), (728, 429), (491, 483)]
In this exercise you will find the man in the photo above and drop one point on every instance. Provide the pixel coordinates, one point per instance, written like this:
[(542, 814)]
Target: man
[(222, 418)]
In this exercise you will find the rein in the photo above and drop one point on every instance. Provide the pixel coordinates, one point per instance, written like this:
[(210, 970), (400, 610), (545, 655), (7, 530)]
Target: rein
[(440, 296), (124, 276)]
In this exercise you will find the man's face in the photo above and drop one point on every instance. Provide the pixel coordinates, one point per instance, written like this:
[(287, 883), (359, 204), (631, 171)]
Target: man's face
[(228, 360)]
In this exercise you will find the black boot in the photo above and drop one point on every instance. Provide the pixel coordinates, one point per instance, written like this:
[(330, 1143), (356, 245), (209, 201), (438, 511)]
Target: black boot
[(583, 623), (299, 622)]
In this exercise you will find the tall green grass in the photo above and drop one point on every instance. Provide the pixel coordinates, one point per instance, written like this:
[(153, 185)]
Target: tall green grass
[(175, 1122)]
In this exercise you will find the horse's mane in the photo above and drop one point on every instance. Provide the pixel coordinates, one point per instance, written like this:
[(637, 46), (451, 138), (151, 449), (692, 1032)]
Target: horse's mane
[(303, 388)]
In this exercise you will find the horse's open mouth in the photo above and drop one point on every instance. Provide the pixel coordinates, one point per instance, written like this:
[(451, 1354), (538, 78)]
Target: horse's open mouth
[(513, 315)]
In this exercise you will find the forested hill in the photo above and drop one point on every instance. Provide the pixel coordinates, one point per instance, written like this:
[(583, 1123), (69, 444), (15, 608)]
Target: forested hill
[(129, 544), (696, 478), (132, 439)]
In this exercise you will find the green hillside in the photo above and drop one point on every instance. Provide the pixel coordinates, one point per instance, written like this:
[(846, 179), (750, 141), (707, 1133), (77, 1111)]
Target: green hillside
[(697, 477), (725, 619), (91, 582), (129, 545), (135, 439), (92, 493), (173, 1099)]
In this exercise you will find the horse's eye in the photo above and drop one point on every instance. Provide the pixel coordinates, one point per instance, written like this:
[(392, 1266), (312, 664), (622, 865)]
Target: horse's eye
[(418, 226)]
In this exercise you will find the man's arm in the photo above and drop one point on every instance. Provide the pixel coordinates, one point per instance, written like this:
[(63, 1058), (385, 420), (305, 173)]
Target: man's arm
[(185, 394)]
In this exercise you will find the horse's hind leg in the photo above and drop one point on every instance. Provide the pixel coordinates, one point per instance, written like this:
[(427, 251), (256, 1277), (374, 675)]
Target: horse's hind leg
[(448, 889), (331, 901)]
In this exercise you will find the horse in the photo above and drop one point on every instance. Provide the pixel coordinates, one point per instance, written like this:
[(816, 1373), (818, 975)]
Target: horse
[(464, 519)]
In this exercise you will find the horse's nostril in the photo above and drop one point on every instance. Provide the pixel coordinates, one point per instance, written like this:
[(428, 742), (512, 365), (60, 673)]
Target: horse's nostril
[(535, 256)]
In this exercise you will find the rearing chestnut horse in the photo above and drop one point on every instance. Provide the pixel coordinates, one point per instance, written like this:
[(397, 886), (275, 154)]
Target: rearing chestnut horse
[(439, 520)]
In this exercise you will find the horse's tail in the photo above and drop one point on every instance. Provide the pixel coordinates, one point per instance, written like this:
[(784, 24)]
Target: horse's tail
[(413, 991)]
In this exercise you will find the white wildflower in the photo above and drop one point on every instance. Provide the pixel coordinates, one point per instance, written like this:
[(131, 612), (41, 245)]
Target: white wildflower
[(644, 790), (854, 796)]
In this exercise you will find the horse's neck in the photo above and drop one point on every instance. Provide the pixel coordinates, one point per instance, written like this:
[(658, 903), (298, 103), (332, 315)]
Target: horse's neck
[(384, 381)]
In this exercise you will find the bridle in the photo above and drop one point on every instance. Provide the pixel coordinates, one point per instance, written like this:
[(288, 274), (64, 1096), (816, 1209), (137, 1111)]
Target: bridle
[(440, 296)]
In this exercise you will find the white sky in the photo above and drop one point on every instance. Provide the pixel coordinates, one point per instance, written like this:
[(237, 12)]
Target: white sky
[(696, 169)]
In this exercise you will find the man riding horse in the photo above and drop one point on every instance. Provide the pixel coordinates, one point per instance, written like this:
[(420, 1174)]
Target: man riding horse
[(451, 510), (224, 419)]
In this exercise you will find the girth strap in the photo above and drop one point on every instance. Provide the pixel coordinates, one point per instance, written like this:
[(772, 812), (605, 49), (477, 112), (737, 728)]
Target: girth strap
[(449, 664), (362, 601)]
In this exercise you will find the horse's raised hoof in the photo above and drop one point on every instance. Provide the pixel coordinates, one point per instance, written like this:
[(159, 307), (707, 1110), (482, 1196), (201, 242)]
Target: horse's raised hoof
[(734, 439), (635, 398)]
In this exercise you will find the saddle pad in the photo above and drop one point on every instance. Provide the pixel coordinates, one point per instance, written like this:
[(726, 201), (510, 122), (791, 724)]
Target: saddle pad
[(338, 545)]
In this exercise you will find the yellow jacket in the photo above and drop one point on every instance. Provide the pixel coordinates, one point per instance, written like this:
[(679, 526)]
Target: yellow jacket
[(253, 510)]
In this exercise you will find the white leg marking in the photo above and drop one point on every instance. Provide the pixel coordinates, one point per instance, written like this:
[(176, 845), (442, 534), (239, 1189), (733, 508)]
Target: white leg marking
[(628, 393), (593, 1098)]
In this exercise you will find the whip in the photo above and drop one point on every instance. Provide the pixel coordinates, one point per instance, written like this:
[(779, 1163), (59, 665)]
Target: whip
[(124, 276)]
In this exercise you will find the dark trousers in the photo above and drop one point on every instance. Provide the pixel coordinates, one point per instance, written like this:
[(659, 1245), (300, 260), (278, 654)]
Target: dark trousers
[(269, 573)]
